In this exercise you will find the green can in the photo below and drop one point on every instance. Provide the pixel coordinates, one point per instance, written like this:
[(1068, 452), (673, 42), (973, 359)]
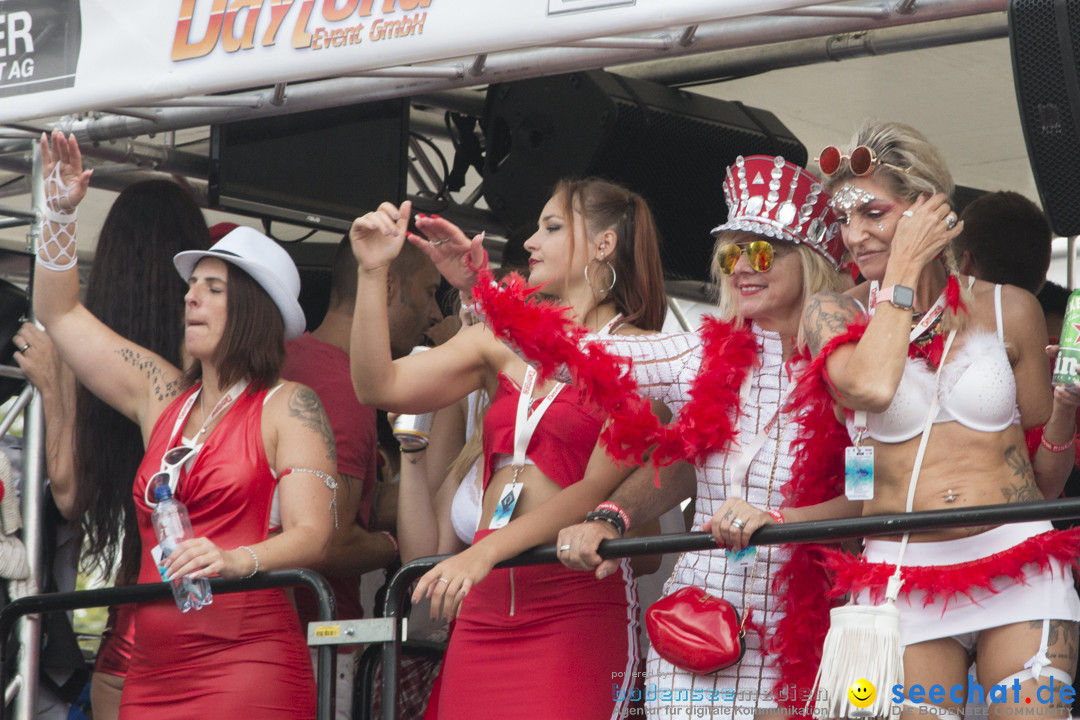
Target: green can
[(1067, 365)]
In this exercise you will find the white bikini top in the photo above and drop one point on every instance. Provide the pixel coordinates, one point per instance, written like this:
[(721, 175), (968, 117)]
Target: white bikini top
[(977, 390), (465, 508)]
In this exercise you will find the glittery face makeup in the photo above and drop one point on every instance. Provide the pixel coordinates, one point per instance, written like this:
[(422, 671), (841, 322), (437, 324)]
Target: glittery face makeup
[(849, 197)]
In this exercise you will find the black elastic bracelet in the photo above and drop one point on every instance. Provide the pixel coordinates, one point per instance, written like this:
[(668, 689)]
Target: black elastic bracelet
[(610, 517), (414, 450)]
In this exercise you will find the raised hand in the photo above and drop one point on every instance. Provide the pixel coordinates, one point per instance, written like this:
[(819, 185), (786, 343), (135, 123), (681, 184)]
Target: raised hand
[(377, 237), (451, 250), (925, 229), (65, 180)]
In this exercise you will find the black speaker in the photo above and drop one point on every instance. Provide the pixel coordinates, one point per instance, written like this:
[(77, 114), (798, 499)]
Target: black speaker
[(669, 145), (1045, 38)]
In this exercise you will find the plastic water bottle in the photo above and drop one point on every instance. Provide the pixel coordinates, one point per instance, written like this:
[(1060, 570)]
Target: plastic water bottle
[(172, 526)]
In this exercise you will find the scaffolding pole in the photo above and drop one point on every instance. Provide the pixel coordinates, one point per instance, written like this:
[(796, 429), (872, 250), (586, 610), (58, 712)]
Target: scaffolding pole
[(33, 486)]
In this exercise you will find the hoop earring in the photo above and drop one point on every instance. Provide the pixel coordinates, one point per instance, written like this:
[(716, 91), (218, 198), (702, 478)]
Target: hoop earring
[(588, 281)]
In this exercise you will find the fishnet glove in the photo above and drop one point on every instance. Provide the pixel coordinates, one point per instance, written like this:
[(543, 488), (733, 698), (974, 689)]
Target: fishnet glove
[(57, 250)]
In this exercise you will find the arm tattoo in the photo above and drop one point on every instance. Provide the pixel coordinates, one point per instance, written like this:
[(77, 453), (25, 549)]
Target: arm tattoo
[(305, 404), (1024, 489), (162, 388), (826, 316)]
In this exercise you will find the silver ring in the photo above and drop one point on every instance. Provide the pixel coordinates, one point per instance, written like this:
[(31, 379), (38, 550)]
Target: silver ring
[(442, 579), (437, 243), (950, 221), (908, 213), (564, 548), (24, 348), (738, 523)]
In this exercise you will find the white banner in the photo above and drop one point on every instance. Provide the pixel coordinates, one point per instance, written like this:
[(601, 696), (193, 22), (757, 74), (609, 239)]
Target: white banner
[(64, 56)]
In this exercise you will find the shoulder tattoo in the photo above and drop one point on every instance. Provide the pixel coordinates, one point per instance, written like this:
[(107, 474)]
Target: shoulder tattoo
[(162, 387), (304, 404), (827, 315)]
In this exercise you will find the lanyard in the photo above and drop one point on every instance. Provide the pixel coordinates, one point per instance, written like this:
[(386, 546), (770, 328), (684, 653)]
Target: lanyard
[(741, 467), (222, 405), (525, 423)]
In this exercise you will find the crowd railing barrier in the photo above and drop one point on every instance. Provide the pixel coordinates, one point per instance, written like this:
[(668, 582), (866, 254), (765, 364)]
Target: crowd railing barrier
[(773, 534), (325, 670)]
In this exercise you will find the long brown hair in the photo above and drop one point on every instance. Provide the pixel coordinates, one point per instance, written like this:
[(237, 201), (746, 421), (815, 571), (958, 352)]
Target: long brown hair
[(638, 291)]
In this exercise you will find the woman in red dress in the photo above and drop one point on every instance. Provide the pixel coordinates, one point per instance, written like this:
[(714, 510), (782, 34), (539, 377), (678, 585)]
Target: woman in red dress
[(529, 641), (248, 433)]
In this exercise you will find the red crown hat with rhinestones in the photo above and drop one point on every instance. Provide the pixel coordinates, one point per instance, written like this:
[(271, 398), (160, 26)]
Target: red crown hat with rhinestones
[(769, 196)]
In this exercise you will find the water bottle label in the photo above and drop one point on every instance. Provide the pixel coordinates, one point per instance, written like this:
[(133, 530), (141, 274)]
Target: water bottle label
[(157, 554)]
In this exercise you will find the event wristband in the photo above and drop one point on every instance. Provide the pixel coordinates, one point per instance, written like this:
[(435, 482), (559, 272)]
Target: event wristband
[(619, 511), (610, 517), (1054, 447), (777, 516)]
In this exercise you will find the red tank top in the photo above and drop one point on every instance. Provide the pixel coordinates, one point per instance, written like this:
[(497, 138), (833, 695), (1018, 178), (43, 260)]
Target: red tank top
[(563, 441)]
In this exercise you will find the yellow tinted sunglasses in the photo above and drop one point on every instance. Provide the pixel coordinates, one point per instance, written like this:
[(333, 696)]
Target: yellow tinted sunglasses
[(759, 254)]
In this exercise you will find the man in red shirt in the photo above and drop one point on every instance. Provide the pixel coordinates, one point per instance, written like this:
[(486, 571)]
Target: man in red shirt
[(320, 360)]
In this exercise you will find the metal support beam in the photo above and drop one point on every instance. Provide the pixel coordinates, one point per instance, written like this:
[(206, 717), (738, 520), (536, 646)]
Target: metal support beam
[(879, 12), (521, 64), (742, 62), (33, 484)]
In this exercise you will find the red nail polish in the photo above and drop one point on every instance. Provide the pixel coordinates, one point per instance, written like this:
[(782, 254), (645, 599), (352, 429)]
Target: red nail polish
[(436, 217)]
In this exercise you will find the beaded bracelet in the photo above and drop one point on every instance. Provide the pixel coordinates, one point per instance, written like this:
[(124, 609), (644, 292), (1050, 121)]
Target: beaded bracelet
[(618, 510), (777, 516), (1054, 447), (253, 557), (610, 517)]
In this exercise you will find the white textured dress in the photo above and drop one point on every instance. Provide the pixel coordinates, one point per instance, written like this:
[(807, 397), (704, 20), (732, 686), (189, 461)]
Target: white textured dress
[(665, 367)]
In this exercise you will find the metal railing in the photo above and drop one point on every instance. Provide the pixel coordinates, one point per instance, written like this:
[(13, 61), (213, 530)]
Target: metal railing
[(816, 531), (325, 669)]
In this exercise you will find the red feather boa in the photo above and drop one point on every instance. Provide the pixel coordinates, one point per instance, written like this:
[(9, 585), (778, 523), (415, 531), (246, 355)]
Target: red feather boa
[(854, 574), (545, 334), (952, 295), (706, 424), (801, 585)]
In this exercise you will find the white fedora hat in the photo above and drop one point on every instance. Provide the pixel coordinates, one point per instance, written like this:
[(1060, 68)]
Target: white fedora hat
[(264, 260)]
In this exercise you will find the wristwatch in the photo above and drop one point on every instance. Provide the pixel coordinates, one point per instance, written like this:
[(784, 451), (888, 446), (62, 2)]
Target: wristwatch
[(900, 296)]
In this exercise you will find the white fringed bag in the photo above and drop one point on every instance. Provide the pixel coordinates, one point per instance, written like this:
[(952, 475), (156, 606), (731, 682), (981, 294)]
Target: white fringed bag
[(863, 642)]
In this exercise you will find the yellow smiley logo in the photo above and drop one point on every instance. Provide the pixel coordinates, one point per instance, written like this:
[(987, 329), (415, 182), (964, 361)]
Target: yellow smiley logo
[(862, 693)]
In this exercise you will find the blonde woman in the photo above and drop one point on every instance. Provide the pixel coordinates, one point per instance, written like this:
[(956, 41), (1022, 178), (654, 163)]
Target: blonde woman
[(1000, 595)]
